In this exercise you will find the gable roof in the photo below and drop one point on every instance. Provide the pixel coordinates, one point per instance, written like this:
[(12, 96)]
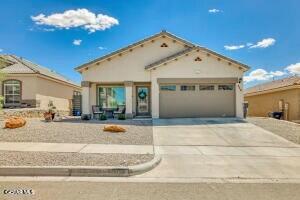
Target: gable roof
[(277, 84), (22, 66), (169, 58), (198, 48), (167, 34), (162, 33)]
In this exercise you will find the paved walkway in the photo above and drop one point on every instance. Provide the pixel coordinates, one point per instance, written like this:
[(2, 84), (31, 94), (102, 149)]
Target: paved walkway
[(76, 148), (221, 149)]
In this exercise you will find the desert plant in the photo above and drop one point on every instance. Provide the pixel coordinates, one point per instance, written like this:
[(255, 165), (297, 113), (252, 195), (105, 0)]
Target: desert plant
[(103, 117), (121, 117), (50, 113)]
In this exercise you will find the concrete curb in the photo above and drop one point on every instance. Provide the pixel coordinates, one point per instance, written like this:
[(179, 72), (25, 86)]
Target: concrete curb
[(96, 171)]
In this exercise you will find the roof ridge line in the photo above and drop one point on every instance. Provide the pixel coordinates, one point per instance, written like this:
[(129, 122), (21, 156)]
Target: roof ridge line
[(22, 62), (168, 58)]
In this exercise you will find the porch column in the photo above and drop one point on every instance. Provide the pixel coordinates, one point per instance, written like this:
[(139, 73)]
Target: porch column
[(85, 97), (239, 100), (128, 98)]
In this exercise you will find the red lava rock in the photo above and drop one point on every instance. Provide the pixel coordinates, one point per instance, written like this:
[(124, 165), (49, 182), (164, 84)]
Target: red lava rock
[(15, 122)]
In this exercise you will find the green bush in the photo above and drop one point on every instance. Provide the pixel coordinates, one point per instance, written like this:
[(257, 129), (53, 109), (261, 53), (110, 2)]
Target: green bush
[(121, 117), (1, 102), (103, 117)]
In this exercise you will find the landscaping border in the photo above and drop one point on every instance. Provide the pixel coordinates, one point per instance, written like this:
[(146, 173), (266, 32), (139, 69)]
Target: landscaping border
[(90, 171)]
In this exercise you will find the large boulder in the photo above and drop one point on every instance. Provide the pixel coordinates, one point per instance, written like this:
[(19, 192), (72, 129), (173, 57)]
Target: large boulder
[(114, 128), (14, 122)]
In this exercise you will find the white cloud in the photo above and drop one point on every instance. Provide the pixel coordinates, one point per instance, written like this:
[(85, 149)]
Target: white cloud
[(1, 50), (101, 48), (264, 43), (77, 18), (277, 73), (214, 10), (261, 44), (262, 75), (77, 42), (293, 68), (233, 47)]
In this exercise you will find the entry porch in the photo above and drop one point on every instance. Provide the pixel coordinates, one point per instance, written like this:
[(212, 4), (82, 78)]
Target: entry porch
[(134, 96)]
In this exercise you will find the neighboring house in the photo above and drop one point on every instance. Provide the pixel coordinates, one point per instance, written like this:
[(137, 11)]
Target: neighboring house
[(278, 95), (27, 84), (164, 76)]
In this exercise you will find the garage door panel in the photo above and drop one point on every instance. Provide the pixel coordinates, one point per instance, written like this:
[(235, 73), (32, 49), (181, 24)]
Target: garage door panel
[(213, 103)]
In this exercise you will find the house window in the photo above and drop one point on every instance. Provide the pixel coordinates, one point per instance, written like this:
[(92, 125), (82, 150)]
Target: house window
[(225, 87), (187, 88), (168, 87), (206, 87), (111, 97), (12, 91)]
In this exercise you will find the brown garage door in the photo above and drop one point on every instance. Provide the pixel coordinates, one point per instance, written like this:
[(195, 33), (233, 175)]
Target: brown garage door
[(204, 100)]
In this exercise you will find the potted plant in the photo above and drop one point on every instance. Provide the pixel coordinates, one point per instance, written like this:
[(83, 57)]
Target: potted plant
[(50, 114), (103, 117), (121, 117)]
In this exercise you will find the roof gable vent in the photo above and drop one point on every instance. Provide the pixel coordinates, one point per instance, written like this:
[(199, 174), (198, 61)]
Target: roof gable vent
[(163, 45), (198, 59)]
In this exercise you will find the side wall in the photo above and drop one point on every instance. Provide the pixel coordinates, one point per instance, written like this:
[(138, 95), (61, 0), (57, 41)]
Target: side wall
[(261, 105), (60, 94)]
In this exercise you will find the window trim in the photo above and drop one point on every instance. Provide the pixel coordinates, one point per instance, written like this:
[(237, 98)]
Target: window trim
[(167, 86), (208, 85), (20, 95), (194, 86), (108, 86), (225, 85)]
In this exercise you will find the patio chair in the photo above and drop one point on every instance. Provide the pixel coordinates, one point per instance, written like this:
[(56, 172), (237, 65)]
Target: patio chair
[(120, 110), (97, 111)]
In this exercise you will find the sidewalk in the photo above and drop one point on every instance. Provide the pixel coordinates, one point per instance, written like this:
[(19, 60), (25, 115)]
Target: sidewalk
[(76, 148), (69, 159)]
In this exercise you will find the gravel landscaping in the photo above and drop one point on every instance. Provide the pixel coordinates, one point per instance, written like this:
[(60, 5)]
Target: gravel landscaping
[(10, 158), (74, 130), (287, 130)]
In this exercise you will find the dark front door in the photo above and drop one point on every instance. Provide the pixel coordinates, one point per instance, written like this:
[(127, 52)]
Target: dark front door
[(143, 100)]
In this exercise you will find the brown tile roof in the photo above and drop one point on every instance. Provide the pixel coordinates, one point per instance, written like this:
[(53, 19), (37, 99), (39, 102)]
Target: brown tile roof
[(22, 66), (289, 81)]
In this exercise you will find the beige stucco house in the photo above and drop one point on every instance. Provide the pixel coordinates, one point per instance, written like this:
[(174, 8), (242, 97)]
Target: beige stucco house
[(27, 84), (164, 76), (275, 96)]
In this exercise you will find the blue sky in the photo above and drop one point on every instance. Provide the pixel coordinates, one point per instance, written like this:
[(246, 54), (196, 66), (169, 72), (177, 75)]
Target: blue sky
[(264, 34)]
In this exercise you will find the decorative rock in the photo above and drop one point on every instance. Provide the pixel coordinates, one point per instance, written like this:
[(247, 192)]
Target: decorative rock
[(114, 128), (57, 118), (15, 122)]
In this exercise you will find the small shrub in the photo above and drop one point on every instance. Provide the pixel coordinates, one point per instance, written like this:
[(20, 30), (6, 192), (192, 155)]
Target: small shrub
[(121, 117), (103, 117), (85, 117)]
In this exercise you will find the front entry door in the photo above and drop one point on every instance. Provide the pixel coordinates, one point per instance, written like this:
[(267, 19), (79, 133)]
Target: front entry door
[(143, 100)]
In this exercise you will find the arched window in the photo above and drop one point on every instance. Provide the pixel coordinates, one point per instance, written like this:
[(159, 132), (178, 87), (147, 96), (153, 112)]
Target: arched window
[(12, 92)]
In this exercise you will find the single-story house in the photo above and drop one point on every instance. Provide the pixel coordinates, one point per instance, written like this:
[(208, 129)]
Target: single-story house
[(164, 76), (275, 96), (26, 84)]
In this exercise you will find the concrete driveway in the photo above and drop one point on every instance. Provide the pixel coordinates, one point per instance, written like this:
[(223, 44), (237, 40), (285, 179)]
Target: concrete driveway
[(222, 148)]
